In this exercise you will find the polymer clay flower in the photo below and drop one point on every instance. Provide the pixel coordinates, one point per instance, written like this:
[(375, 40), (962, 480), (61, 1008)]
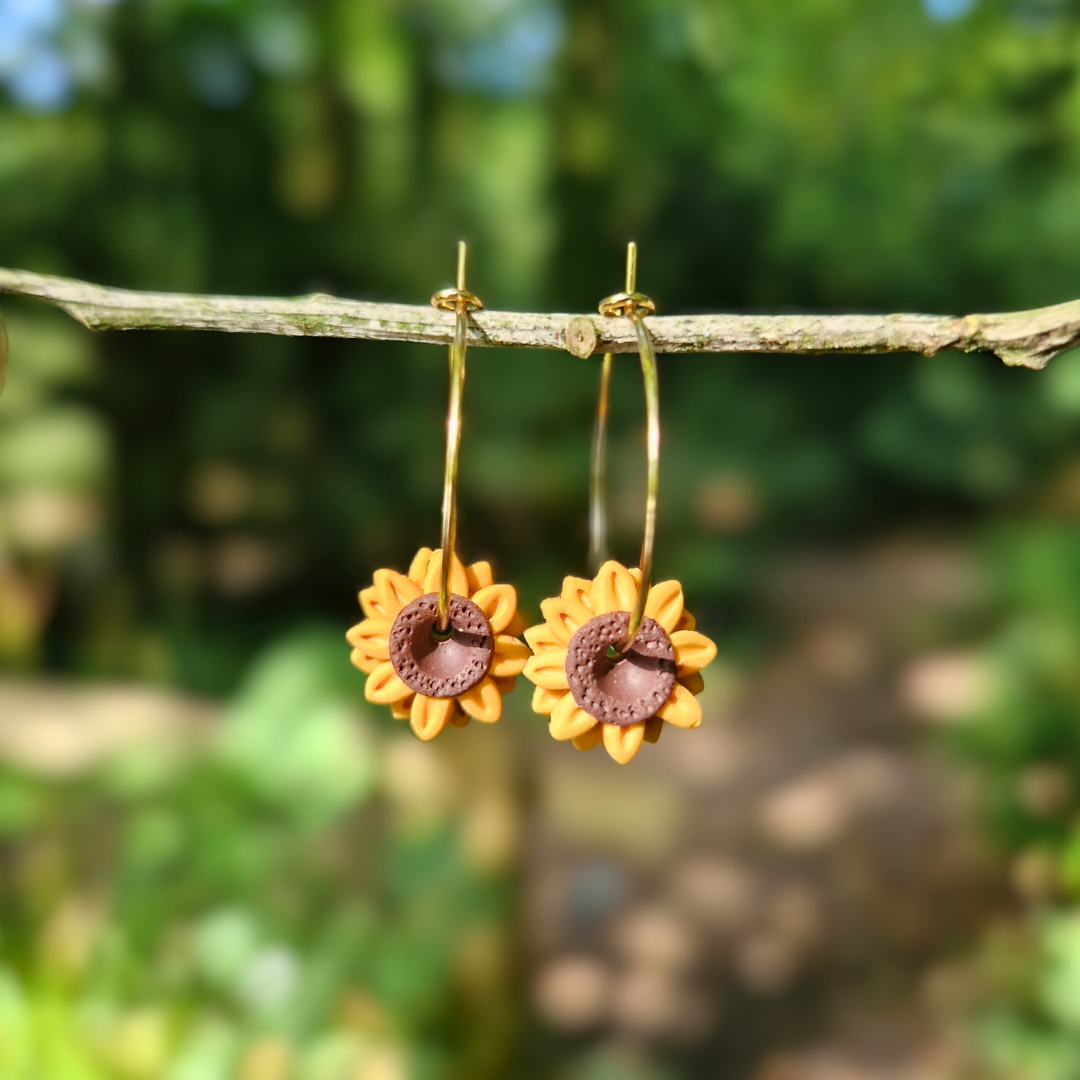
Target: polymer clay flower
[(433, 680), (590, 697)]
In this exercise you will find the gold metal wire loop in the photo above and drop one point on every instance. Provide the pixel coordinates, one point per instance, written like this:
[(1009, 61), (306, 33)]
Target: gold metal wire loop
[(461, 302), (634, 306)]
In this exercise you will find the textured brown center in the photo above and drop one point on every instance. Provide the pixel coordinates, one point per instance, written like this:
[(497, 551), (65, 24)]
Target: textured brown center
[(629, 689), (441, 667)]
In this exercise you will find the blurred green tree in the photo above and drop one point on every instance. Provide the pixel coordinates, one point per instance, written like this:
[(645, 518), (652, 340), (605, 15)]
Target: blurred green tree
[(170, 504)]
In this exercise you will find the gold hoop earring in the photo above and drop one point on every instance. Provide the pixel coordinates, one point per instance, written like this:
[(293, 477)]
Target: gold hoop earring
[(618, 657), (440, 644)]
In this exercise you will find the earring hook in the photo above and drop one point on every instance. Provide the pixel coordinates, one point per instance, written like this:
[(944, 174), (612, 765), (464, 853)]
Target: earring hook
[(633, 306), (460, 301)]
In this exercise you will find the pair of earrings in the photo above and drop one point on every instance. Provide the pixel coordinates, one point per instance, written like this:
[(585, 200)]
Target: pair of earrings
[(615, 658)]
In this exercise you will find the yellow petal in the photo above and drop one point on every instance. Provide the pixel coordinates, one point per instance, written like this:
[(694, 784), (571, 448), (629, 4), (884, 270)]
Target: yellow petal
[(693, 651), (458, 718), (564, 617), (365, 663), (390, 593), (544, 701), (693, 682), (516, 625), (635, 573), (578, 589), (383, 687), (428, 716), (665, 604), (419, 566), (394, 590), (569, 720), (483, 702), (498, 603), (681, 708), (459, 581), (653, 726), (613, 589), (543, 637), (372, 637), (593, 737), (399, 710), (622, 743), (510, 656), (479, 576), (505, 683), (687, 622), (548, 669)]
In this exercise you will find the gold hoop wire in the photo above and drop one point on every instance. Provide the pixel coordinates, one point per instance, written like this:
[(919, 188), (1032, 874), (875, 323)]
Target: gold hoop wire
[(460, 301), (634, 306)]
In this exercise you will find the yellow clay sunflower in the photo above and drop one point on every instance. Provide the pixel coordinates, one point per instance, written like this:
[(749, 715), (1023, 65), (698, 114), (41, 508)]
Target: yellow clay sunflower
[(590, 698), (428, 679)]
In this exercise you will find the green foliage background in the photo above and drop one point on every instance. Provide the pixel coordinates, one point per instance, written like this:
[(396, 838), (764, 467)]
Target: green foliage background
[(173, 505)]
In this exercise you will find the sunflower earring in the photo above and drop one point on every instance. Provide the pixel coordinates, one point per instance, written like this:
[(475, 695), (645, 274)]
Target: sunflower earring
[(439, 645), (618, 657)]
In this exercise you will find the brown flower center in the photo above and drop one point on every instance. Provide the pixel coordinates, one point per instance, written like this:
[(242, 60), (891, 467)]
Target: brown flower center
[(436, 666), (626, 690)]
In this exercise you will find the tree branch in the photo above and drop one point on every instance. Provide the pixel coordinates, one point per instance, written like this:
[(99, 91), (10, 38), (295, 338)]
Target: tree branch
[(1020, 338)]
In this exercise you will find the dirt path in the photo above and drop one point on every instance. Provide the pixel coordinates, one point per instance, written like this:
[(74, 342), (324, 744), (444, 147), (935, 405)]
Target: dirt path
[(772, 896)]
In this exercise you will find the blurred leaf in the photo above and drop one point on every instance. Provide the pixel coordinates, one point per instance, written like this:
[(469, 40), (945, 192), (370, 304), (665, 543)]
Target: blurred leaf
[(208, 1052), (66, 446), (223, 943), (1061, 981), (293, 737)]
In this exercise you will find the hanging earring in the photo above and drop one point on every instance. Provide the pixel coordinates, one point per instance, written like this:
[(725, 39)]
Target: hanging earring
[(618, 657), (440, 644)]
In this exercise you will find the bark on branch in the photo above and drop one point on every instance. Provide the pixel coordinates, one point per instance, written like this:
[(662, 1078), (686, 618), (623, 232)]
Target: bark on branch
[(1019, 338)]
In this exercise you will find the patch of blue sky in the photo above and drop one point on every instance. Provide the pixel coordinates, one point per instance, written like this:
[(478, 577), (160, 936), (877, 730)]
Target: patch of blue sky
[(511, 57), (39, 71), (948, 10), (33, 69), (16, 39), (33, 17), (42, 80)]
